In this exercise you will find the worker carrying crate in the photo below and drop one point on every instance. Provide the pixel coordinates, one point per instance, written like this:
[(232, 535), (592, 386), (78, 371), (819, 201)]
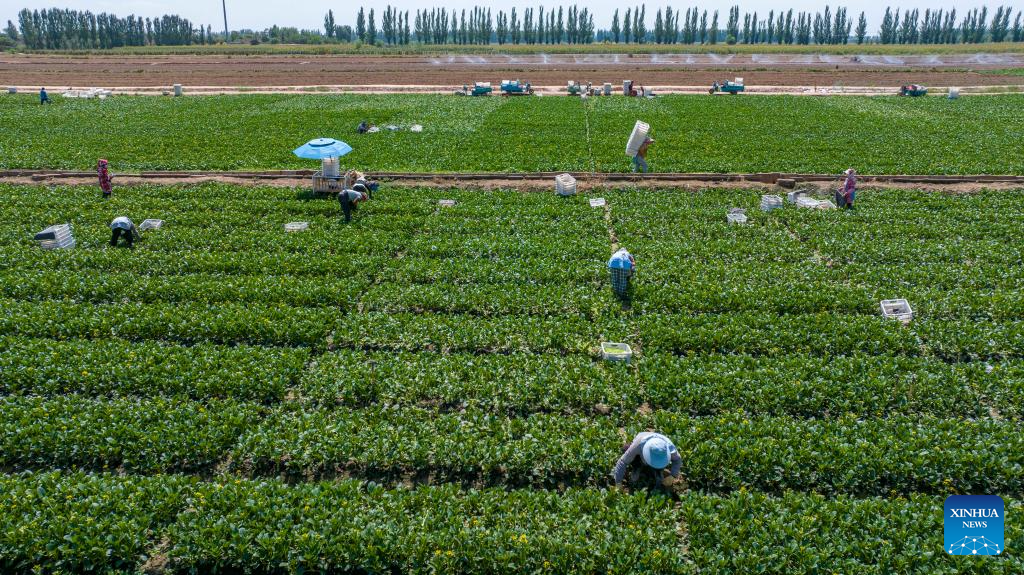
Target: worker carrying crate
[(621, 268)]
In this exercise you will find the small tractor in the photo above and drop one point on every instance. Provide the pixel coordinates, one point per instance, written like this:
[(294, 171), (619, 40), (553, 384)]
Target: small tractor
[(913, 90), (479, 89), (727, 87), (516, 88)]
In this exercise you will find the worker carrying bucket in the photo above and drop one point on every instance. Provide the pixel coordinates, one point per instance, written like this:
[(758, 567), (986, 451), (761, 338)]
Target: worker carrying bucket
[(123, 227), (621, 268), (848, 191), (656, 452)]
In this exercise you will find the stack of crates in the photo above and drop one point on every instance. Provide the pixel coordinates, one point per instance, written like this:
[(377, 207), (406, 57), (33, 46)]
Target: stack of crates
[(770, 202), (56, 237), (565, 185)]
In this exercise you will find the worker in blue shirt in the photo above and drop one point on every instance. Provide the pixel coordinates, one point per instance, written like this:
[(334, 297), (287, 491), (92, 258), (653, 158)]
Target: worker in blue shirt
[(621, 267), (43, 97)]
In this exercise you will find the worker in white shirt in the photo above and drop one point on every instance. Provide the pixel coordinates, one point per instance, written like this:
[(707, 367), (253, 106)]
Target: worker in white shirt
[(655, 451), (123, 227)]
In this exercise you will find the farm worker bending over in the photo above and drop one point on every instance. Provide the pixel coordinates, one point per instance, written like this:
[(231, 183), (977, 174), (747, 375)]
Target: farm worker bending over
[(365, 186), (621, 266), (640, 159), (122, 226), (364, 127), (105, 177), (655, 450), (44, 98), (349, 199)]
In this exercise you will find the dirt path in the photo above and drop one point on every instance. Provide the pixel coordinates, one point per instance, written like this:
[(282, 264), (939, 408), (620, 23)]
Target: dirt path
[(232, 72), (532, 182)]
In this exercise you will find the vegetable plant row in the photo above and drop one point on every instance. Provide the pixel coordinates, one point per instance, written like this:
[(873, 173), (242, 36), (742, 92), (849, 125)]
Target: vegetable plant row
[(899, 454), (83, 523), (766, 133)]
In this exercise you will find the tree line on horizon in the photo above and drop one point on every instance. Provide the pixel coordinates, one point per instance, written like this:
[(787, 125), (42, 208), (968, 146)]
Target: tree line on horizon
[(54, 29)]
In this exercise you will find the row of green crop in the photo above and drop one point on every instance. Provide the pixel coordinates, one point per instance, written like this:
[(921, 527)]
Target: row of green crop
[(753, 333), (514, 384), (118, 368), (899, 454), (85, 523), (795, 384), (766, 134)]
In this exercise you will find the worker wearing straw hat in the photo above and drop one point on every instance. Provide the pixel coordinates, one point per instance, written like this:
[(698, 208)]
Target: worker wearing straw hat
[(656, 452)]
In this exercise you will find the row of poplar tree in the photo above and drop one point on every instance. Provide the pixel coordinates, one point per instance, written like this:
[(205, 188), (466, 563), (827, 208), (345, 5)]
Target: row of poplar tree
[(477, 26), (61, 29), (672, 26)]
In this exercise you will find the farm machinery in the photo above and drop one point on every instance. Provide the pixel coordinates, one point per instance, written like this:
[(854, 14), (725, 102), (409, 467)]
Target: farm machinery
[(913, 90), (727, 87), (479, 89), (516, 88), (574, 88)]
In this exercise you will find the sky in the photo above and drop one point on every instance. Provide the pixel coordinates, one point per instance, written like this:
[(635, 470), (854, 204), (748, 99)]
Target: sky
[(260, 14)]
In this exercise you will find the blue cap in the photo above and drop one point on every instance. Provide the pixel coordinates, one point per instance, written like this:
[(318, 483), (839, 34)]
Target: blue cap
[(656, 453)]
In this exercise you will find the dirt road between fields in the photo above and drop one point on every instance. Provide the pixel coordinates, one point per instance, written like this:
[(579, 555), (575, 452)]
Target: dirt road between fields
[(305, 72)]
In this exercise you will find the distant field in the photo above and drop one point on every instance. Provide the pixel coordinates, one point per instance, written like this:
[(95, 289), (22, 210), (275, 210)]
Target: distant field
[(604, 48), (979, 135)]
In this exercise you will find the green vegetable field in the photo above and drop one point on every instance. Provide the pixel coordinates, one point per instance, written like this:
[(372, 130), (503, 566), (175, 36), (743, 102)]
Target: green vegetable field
[(975, 135), (421, 391)]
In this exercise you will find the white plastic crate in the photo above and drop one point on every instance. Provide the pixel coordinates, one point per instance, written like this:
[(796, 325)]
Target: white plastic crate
[(770, 202), (597, 202), (296, 226), (56, 237), (565, 185), (331, 167), (640, 131), (897, 309), (446, 203), (811, 203), (151, 224), (616, 351), (736, 219)]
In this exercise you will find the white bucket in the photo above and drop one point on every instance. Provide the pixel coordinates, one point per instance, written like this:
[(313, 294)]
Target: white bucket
[(331, 167)]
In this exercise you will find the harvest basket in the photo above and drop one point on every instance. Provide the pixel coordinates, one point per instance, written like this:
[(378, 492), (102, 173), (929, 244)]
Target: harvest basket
[(565, 185), (56, 237), (597, 202), (770, 202), (151, 224), (296, 226), (897, 309), (616, 351), (446, 203)]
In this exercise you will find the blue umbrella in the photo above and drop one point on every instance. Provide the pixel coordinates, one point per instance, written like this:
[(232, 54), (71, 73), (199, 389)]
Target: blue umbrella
[(321, 148)]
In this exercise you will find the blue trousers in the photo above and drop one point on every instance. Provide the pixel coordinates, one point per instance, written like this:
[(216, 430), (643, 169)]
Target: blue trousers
[(639, 163)]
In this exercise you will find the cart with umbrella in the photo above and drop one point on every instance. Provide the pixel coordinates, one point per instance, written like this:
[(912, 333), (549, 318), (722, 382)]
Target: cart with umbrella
[(329, 178)]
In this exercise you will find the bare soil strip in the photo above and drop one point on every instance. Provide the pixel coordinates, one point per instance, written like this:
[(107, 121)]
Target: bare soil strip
[(532, 181), (302, 72)]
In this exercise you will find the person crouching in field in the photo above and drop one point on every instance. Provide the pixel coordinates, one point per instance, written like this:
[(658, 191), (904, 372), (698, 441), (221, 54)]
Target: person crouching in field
[(105, 178), (848, 191), (349, 200), (123, 227), (655, 451)]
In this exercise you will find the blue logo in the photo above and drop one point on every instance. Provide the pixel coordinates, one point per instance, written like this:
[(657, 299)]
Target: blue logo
[(974, 525)]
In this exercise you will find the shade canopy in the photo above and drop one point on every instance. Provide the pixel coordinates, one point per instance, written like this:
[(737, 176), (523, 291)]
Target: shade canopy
[(321, 148)]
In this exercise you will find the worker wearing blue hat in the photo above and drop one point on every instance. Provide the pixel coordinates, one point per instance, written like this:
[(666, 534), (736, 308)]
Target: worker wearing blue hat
[(655, 450)]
